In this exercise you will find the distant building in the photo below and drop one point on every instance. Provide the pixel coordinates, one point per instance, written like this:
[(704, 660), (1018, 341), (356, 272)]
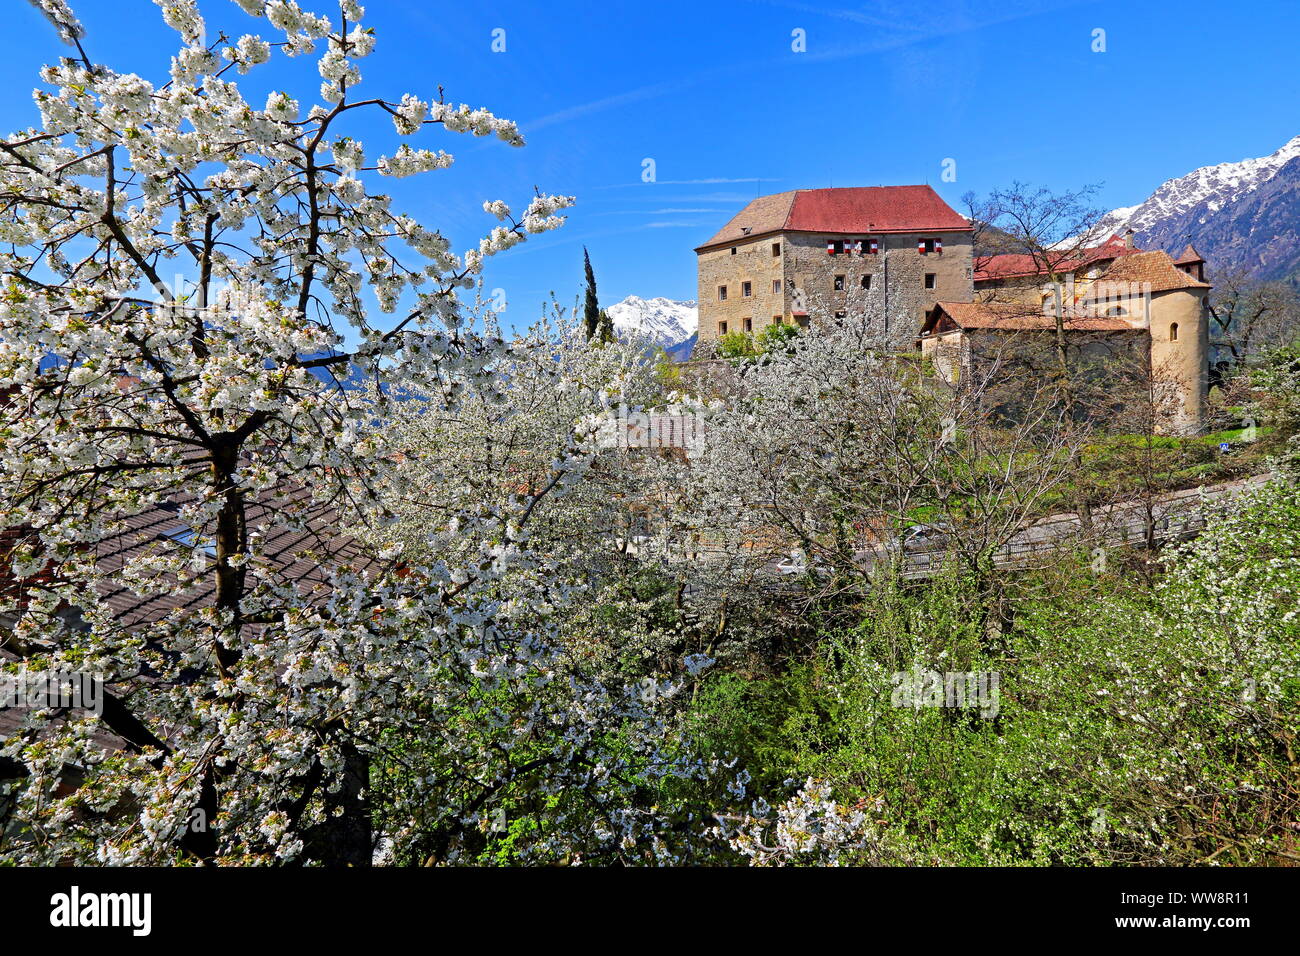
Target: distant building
[(903, 258), (891, 251), (1117, 302)]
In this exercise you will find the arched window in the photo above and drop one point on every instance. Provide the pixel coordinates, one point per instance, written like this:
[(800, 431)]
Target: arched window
[(1173, 332)]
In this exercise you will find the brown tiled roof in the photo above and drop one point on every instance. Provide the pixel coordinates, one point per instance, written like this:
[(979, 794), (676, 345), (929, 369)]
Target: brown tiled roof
[(302, 559), (1014, 316), (1189, 256), (855, 210), (765, 214), (1157, 268), (663, 431)]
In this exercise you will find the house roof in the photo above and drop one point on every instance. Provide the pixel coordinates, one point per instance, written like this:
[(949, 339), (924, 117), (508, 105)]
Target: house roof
[(1013, 265), (1011, 316), (301, 558), (1156, 268), (1125, 265), (856, 210), (1189, 256)]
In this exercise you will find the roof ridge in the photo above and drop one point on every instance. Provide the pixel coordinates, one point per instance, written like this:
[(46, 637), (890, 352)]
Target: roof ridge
[(848, 210)]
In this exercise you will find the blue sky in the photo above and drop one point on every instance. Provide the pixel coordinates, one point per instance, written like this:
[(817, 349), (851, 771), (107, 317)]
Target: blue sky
[(714, 93)]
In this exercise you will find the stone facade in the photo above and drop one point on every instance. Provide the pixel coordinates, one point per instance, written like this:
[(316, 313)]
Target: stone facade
[(1179, 326), (1108, 364), (1151, 294), (896, 254), (894, 287), (777, 274), (729, 268), (792, 278)]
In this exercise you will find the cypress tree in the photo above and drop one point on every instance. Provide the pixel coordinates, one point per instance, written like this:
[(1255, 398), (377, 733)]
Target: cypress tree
[(590, 309)]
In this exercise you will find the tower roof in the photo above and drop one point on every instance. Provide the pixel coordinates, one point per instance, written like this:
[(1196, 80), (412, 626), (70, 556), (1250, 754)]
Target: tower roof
[(1155, 268)]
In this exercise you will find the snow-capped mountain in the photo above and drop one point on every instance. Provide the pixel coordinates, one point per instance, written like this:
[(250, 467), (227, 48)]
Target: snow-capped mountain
[(666, 322), (1241, 214), (1210, 187)]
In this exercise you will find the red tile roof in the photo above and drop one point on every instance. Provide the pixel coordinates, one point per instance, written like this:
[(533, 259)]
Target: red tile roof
[(1016, 265), (873, 209), (854, 210)]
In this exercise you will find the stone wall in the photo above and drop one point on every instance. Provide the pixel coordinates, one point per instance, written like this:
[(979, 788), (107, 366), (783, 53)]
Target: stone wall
[(730, 267), (1179, 368), (1108, 372), (1181, 365), (807, 276), (897, 279)]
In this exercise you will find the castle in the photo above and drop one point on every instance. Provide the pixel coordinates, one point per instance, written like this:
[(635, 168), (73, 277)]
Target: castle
[(892, 251), (905, 259)]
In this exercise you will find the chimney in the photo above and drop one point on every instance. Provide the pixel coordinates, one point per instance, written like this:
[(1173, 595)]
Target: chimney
[(1128, 238)]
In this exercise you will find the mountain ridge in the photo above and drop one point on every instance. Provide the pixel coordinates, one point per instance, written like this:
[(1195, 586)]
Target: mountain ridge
[(1242, 215), (668, 323)]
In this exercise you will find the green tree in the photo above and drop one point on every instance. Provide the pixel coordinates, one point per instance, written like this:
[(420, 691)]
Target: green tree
[(737, 345), (776, 338), (591, 318), (605, 326)]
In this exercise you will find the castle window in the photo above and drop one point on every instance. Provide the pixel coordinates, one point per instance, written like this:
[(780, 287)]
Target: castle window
[(927, 246), (839, 283), (746, 290), (929, 280), (749, 325), (722, 327), (733, 250), (866, 282), (722, 293), (872, 246), (777, 320), (1173, 332), (776, 285), (776, 250), (835, 246)]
